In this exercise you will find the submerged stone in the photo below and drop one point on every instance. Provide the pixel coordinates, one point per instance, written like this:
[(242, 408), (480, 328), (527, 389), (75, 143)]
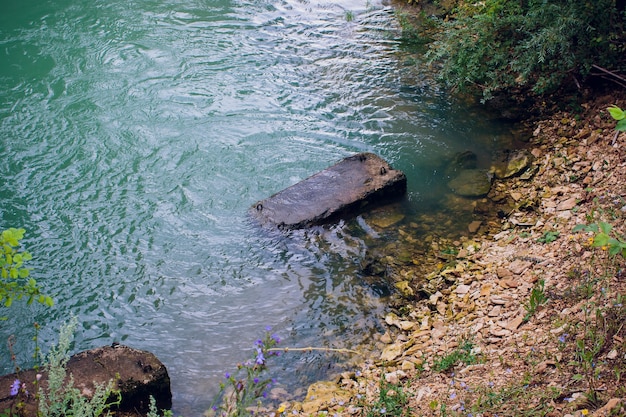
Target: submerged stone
[(471, 183), (345, 188)]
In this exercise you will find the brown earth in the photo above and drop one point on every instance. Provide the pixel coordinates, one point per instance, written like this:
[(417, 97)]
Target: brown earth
[(527, 317)]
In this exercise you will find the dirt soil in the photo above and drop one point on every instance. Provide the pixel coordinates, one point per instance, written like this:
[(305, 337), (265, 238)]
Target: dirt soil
[(532, 320)]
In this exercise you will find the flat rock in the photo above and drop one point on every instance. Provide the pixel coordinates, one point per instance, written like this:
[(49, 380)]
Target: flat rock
[(348, 186)]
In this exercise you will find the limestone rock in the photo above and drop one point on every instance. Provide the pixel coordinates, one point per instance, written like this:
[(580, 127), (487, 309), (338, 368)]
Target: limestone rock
[(511, 163)]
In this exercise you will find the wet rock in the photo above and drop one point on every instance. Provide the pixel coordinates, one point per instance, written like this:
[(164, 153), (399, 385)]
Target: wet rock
[(471, 183), (508, 164), (350, 185)]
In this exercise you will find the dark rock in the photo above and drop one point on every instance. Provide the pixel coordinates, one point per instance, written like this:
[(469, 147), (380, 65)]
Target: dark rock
[(345, 188), (471, 183), (136, 374)]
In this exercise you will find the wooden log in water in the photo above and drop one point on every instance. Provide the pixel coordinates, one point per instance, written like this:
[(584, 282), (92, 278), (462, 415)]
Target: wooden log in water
[(346, 188)]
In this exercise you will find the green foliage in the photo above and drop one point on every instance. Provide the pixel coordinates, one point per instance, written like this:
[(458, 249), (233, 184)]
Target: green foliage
[(532, 46), (61, 398), (619, 115), (154, 412), (462, 354), (392, 401), (605, 238), (537, 298), (15, 280), (549, 237)]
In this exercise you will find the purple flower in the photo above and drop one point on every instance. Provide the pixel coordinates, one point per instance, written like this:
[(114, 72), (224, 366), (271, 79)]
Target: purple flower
[(268, 328), (15, 387), (256, 380), (227, 375), (276, 338), (260, 359)]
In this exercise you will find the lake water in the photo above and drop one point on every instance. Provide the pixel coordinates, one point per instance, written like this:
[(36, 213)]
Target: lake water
[(136, 134)]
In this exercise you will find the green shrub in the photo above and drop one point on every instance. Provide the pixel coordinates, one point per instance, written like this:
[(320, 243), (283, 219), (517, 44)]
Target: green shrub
[(530, 47)]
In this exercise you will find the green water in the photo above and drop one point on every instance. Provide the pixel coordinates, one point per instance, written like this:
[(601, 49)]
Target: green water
[(136, 134)]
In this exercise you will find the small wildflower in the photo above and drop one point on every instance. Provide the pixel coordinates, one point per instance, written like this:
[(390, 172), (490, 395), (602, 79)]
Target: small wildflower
[(453, 396), (15, 387), (383, 410), (260, 359), (281, 408), (584, 412), (256, 380), (563, 338), (227, 375)]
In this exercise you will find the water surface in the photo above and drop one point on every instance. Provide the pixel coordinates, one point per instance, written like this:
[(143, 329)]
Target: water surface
[(136, 134)]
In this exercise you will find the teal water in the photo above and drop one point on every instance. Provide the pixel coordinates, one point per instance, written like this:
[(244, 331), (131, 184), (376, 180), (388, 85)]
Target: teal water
[(136, 134)]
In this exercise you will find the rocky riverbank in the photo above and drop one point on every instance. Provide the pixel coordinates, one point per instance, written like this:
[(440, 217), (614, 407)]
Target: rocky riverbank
[(527, 315)]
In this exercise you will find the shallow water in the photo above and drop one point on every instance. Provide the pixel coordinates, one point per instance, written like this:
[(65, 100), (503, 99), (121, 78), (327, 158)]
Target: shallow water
[(136, 135)]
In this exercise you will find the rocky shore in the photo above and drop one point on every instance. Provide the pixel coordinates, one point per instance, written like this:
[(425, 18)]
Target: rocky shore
[(524, 315)]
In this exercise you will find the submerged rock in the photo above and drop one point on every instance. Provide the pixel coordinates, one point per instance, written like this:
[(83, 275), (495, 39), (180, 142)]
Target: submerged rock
[(471, 183)]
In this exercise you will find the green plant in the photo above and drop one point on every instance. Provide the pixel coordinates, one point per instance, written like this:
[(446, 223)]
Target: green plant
[(60, 398), (464, 354), (605, 238), (247, 385), (527, 47), (549, 237), (392, 401), (537, 298), (154, 412), (15, 281), (619, 115)]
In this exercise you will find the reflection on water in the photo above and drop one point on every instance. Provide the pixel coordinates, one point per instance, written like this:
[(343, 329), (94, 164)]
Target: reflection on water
[(136, 135)]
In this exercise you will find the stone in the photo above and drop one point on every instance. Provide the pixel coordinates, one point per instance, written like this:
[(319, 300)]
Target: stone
[(358, 181), (135, 373), (508, 164), (392, 352), (568, 204), (474, 226), (471, 183), (610, 407), (321, 395), (386, 218), (515, 323), (462, 289)]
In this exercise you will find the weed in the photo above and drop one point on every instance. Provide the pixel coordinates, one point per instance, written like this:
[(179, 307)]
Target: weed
[(537, 298), (392, 401), (549, 237), (464, 354)]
